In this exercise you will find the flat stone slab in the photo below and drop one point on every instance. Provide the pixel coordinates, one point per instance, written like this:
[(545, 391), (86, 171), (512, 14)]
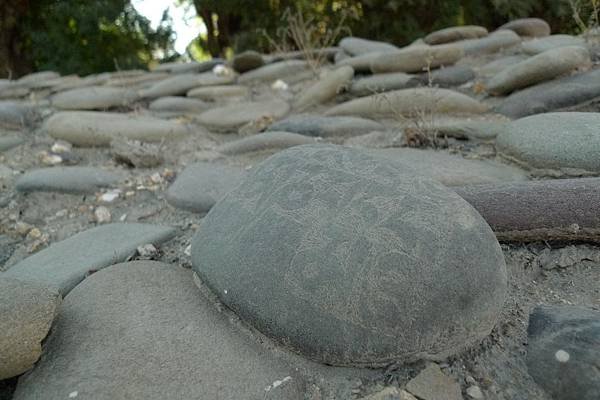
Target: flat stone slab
[(272, 72), (537, 46), (93, 98), (201, 185), (233, 116), (348, 247), (456, 33), (67, 180), (142, 330), (452, 170), (454, 75), (65, 264), (416, 58), (494, 42), (89, 128), (326, 88), (563, 351), (542, 67), (219, 92), (320, 126), (16, 115), (266, 141), (563, 143), (178, 67), (382, 83), (357, 46), (556, 209), (27, 310), (181, 84), (553, 95), (532, 27), (409, 102), (175, 105)]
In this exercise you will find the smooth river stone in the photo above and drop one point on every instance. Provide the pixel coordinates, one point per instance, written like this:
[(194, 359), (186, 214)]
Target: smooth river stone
[(416, 58), (181, 84), (494, 67), (38, 77), (93, 98), (456, 33), (452, 170), (542, 67), (266, 141), (567, 142), (410, 102), (534, 27), (492, 43), (364, 262), (235, 115), (27, 310), (201, 185), (8, 141), (16, 115), (357, 46), (360, 63), (327, 127), (247, 61), (382, 83), (187, 67), (89, 128), (272, 72), (537, 46), (454, 75), (80, 180), (142, 330), (556, 209), (219, 92), (65, 264), (175, 105), (326, 88), (563, 350), (552, 95)]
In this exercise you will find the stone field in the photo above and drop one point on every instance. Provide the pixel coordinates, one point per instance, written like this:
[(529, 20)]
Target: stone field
[(394, 223)]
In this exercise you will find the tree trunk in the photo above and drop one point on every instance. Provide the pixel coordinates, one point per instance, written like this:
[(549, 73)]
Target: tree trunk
[(13, 59)]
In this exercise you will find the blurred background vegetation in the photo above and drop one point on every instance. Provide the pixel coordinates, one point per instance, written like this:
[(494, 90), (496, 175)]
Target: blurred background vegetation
[(84, 37)]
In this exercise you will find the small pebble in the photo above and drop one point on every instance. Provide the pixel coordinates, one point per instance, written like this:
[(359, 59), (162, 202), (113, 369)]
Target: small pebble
[(102, 215), (474, 392), (61, 147)]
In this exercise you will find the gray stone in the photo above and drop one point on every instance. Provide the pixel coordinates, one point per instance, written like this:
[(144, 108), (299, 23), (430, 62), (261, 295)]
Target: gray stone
[(272, 72), (433, 384), (549, 209), (27, 310), (266, 141), (201, 185), (563, 351), (142, 330), (494, 42), (67, 180), (537, 46), (231, 117), (93, 98), (326, 88), (38, 77), (553, 95), (14, 115), (455, 75), (452, 170), (382, 83), (348, 248), (357, 46), (361, 63), (247, 60), (534, 27), (174, 105), (181, 84), (416, 58), (542, 67), (408, 102), (317, 125), (137, 154), (89, 128), (568, 142), (219, 92), (65, 264), (494, 67), (7, 142), (187, 67), (456, 33)]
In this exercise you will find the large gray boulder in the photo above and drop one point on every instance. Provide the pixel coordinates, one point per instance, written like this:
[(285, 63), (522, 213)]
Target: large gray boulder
[(364, 262), (567, 142), (564, 351), (142, 330), (27, 310), (542, 67), (552, 95)]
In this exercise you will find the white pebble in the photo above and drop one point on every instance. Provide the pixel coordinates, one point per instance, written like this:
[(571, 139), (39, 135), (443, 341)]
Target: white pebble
[(102, 215), (74, 394), (474, 392), (61, 147), (222, 70), (110, 196), (562, 356), (279, 85)]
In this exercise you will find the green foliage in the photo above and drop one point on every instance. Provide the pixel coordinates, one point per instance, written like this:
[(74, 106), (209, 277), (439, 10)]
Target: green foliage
[(84, 37)]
